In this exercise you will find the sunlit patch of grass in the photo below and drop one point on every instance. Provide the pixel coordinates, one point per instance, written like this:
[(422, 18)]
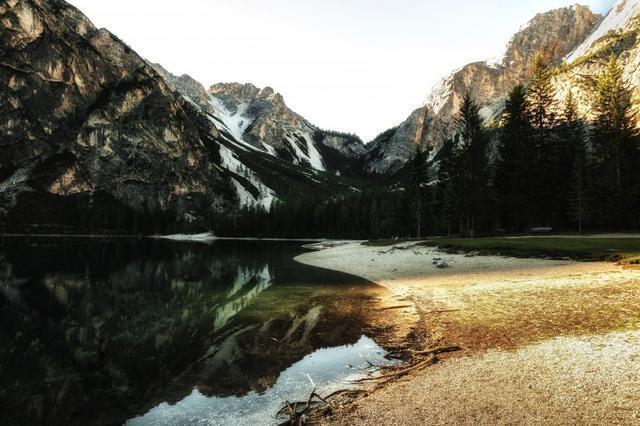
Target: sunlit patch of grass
[(384, 243), (623, 250)]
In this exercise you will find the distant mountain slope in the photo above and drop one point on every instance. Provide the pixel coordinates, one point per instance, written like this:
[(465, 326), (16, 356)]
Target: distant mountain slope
[(260, 118), (555, 33)]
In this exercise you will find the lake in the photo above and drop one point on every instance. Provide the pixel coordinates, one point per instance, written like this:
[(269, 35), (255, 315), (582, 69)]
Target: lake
[(145, 332)]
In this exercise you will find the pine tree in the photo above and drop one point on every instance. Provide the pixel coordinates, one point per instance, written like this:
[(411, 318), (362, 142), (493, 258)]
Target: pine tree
[(513, 169), (614, 146), (448, 188), (417, 185), (474, 142), (541, 95), (574, 160)]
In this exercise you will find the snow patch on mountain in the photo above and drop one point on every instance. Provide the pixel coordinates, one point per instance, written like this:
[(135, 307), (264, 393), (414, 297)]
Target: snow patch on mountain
[(235, 122), (616, 19), (312, 156), (266, 195)]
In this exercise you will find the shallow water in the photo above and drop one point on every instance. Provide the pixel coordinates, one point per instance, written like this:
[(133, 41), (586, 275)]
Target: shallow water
[(161, 332), (330, 369)]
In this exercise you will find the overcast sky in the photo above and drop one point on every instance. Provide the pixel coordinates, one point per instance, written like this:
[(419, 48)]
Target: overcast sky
[(358, 66)]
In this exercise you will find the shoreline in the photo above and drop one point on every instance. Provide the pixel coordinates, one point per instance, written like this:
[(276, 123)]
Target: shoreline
[(526, 327), (200, 237)]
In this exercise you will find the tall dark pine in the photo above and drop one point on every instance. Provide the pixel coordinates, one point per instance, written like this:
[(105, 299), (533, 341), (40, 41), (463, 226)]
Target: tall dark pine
[(473, 144), (614, 149), (448, 189), (417, 186), (574, 162), (513, 178), (540, 96)]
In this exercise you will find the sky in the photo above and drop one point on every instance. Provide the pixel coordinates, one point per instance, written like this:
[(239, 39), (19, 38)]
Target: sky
[(358, 66)]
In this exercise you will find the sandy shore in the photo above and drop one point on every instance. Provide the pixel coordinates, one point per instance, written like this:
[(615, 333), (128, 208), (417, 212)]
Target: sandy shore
[(544, 341)]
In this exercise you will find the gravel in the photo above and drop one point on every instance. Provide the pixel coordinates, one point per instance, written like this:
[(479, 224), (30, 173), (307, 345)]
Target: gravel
[(544, 341)]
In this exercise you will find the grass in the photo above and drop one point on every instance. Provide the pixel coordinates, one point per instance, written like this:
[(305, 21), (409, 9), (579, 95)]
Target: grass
[(624, 250)]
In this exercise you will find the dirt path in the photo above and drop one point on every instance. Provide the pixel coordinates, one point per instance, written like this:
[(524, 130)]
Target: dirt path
[(543, 341)]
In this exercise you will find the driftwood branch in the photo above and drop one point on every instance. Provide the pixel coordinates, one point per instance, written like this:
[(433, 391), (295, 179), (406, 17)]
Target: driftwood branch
[(388, 308), (441, 311), (396, 374), (298, 411), (435, 351)]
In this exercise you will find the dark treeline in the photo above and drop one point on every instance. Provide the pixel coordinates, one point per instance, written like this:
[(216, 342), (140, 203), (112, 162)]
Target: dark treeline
[(374, 213), (545, 166)]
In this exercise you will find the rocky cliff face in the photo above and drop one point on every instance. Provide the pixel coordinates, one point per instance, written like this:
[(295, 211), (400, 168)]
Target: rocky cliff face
[(555, 33), (87, 126)]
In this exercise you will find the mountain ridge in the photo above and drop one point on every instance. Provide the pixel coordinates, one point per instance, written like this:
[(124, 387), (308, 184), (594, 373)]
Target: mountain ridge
[(555, 33), (96, 136)]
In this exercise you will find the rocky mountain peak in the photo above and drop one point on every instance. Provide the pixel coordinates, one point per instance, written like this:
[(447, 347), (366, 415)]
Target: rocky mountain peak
[(232, 94), (260, 117), (555, 33)]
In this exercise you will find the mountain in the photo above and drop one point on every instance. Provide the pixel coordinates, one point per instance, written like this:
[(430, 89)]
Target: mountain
[(555, 33), (90, 129), (261, 119), (94, 137)]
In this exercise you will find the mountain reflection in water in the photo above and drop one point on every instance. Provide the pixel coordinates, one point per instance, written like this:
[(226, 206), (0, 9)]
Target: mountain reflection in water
[(98, 332)]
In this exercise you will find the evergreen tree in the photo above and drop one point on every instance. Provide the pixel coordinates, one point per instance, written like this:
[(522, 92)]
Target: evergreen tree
[(513, 181), (448, 188), (474, 162), (574, 161), (541, 95), (614, 148), (417, 186)]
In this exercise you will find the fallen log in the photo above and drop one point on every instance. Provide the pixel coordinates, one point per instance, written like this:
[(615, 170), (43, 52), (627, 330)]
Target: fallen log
[(432, 360)]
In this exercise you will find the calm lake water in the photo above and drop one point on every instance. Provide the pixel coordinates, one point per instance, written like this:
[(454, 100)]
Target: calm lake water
[(149, 332)]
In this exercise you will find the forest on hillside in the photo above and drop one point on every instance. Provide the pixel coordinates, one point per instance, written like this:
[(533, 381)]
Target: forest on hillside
[(543, 166)]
